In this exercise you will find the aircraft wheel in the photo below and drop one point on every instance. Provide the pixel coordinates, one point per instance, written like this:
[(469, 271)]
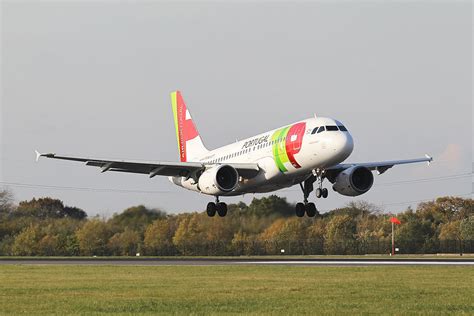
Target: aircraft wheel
[(211, 209), (299, 209), (222, 209), (324, 192), (311, 210), (319, 192)]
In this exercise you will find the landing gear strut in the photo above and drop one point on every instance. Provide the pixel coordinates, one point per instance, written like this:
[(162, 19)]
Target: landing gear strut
[(308, 208), (219, 207)]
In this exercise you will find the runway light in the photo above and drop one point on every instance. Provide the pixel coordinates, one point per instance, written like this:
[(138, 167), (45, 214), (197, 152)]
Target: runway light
[(138, 254), (282, 251)]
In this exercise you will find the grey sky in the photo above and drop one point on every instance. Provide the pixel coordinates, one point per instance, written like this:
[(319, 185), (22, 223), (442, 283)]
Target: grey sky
[(93, 79)]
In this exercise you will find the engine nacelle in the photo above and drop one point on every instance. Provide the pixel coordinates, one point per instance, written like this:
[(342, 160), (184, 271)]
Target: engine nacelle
[(218, 180), (354, 181)]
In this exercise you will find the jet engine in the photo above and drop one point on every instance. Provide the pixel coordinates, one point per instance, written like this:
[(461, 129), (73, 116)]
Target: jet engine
[(218, 180), (354, 181)]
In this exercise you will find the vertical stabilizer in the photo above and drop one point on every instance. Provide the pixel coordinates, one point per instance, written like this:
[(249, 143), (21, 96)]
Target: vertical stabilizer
[(190, 144)]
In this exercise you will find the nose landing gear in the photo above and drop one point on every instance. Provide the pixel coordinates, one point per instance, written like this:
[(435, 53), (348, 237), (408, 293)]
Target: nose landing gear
[(321, 193)]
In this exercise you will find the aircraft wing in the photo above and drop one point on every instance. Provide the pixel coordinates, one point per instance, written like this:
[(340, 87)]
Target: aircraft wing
[(153, 168), (380, 167)]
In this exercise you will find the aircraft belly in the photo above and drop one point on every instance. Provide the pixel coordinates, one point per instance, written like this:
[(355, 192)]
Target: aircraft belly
[(270, 179)]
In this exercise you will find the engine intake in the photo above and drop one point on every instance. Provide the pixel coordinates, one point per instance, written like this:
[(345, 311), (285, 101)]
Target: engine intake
[(218, 180), (354, 181)]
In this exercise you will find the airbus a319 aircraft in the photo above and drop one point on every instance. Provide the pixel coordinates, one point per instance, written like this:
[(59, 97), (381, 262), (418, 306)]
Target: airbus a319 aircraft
[(303, 153)]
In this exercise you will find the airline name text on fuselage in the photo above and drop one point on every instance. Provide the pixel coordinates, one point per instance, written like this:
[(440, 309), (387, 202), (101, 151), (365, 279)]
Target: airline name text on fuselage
[(256, 141)]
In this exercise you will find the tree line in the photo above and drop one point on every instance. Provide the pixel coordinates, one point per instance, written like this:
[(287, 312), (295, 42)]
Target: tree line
[(47, 227)]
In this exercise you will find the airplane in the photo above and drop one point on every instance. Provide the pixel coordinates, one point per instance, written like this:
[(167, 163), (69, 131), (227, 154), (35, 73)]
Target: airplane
[(303, 153)]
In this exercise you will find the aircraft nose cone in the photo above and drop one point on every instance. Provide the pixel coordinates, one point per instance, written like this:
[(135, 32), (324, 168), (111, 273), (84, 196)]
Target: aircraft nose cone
[(347, 145), (341, 144)]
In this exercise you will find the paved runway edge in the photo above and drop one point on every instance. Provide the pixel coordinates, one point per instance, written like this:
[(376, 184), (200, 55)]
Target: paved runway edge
[(238, 261)]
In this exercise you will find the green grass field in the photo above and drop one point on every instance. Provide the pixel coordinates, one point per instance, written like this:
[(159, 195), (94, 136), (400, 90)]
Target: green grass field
[(74, 289)]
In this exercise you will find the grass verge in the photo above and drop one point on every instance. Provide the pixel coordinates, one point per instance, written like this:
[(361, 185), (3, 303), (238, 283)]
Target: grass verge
[(73, 289)]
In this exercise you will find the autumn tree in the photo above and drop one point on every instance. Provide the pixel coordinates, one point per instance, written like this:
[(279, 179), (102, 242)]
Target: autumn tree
[(189, 234), (136, 218), (288, 234), (125, 243), (93, 237), (6, 202), (44, 208), (159, 237), (467, 228), (272, 206), (26, 242), (48, 245), (243, 244), (340, 235)]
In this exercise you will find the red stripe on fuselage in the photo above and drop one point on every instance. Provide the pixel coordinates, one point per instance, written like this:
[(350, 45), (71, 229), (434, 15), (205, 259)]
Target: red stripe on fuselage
[(294, 146)]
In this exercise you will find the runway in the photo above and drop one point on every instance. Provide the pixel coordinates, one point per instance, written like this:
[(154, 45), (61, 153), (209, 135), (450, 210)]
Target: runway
[(239, 262)]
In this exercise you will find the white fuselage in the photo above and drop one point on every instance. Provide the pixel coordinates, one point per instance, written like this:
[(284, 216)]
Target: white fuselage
[(286, 156)]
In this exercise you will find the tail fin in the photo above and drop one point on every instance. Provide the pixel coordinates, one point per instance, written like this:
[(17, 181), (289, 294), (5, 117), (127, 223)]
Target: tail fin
[(190, 145)]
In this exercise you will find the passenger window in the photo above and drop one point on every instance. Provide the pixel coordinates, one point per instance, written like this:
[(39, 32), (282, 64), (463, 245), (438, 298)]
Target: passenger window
[(321, 129), (342, 128), (331, 128)]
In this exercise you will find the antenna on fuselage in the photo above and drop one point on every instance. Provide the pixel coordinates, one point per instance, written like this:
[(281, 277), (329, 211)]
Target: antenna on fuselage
[(315, 116)]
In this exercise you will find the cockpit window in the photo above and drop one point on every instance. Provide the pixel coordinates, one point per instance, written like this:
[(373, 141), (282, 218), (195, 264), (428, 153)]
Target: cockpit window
[(315, 130), (342, 128), (331, 128), (321, 129)]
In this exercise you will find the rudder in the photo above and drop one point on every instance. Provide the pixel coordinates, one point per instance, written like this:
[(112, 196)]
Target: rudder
[(190, 145)]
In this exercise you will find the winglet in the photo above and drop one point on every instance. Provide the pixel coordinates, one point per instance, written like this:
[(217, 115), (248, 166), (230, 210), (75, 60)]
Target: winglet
[(430, 159), (39, 155)]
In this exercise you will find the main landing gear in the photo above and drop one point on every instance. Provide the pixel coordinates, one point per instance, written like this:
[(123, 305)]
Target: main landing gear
[(307, 187), (306, 207), (219, 207)]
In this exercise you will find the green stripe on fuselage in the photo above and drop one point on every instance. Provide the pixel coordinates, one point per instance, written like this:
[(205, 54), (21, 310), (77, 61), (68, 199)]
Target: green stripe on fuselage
[(279, 148)]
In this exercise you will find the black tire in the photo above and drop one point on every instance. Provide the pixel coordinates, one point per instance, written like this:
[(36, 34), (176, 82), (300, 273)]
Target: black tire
[(319, 193), (311, 210), (299, 209), (325, 193), (211, 209), (222, 209)]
